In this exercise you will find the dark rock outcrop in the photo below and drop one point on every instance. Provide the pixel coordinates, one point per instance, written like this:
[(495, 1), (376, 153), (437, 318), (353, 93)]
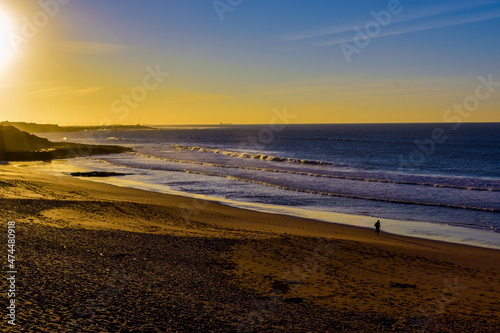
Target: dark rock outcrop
[(16, 145)]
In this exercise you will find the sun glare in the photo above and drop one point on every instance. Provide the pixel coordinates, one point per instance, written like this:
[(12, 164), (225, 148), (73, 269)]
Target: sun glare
[(5, 45)]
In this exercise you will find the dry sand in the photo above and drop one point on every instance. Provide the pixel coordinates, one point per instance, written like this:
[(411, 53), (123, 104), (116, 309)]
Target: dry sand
[(99, 258)]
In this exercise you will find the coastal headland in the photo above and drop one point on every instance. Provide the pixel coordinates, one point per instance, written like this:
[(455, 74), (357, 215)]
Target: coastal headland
[(17, 145)]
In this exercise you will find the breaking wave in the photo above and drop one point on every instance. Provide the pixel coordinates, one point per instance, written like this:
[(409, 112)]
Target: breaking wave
[(289, 188), (253, 156), (323, 175)]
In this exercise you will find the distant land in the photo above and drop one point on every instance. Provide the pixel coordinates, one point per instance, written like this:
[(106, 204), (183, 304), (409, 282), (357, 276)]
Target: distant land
[(45, 128), (16, 145)]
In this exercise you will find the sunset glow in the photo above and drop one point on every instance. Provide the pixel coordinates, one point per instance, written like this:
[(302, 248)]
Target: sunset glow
[(332, 62)]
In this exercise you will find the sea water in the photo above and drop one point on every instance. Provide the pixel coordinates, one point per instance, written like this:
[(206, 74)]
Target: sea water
[(437, 174)]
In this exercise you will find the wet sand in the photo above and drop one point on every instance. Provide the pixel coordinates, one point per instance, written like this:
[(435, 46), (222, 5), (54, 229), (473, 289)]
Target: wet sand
[(98, 258)]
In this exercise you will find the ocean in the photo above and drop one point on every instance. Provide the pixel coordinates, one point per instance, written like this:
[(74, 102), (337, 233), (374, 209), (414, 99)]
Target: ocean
[(439, 177)]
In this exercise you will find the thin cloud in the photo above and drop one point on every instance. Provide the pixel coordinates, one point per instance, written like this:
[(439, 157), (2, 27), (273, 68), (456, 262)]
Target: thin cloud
[(421, 26), (63, 92), (421, 19), (91, 48), (318, 33)]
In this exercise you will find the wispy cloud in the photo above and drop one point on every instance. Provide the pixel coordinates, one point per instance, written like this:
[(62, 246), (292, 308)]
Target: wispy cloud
[(63, 92), (407, 22), (421, 26), (91, 47)]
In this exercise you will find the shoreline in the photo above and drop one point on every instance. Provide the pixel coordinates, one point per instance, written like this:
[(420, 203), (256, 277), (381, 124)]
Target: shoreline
[(187, 264), (183, 200), (197, 204), (418, 229)]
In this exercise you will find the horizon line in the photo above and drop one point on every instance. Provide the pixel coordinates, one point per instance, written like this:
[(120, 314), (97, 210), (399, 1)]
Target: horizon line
[(256, 124)]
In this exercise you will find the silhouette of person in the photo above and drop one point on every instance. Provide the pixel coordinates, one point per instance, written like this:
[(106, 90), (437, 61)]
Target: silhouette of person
[(377, 227)]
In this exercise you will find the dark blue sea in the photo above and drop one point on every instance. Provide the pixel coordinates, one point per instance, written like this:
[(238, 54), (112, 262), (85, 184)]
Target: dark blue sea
[(436, 173)]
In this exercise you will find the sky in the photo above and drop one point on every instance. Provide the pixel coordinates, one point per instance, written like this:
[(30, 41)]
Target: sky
[(100, 62)]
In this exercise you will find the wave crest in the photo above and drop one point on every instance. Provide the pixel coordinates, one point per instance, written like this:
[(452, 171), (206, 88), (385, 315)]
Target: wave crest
[(253, 156)]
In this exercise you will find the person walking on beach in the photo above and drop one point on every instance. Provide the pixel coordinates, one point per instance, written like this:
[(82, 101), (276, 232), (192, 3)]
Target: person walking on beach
[(377, 227)]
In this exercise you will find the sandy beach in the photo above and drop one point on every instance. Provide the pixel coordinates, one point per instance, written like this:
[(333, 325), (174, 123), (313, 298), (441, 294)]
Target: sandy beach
[(99, 258)]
